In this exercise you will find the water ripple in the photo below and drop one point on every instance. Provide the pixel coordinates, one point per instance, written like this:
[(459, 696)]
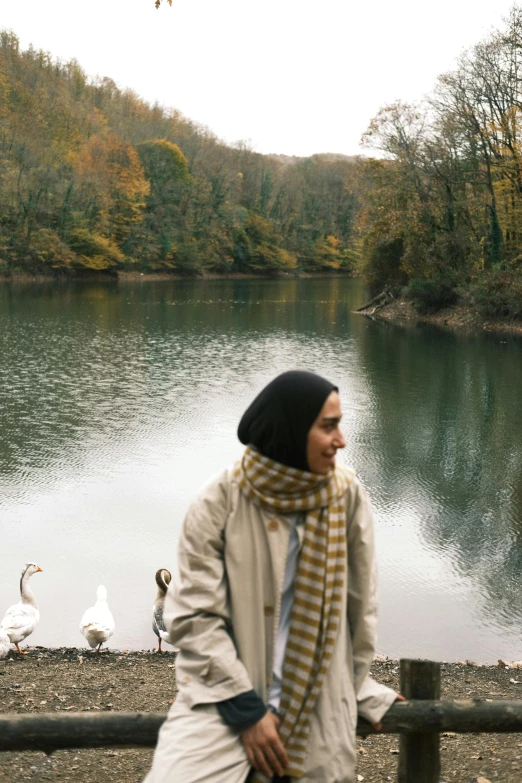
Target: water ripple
[(117, 403)]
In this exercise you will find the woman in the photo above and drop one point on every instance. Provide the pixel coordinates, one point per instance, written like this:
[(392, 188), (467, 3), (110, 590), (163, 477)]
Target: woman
[(274, 609)]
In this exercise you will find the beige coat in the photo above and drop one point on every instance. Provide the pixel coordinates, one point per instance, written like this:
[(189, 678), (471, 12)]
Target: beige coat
[(223, 614)]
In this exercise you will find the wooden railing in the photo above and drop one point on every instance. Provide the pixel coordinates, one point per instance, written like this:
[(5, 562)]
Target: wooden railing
[(419, 721)]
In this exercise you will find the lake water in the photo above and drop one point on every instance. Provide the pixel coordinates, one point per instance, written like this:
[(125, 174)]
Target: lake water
[(117, 401)]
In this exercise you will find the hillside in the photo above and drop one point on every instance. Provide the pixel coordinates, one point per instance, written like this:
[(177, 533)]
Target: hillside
[(95, 180)]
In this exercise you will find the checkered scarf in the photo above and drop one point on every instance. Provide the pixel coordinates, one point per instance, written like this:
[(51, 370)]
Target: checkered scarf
[(319, 584)]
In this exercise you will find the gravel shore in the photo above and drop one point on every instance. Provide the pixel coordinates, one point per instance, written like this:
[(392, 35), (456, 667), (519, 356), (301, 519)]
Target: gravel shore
[(77, 680)]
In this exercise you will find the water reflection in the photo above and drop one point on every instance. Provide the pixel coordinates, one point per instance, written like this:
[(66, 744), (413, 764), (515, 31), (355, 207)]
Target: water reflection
[(445, 416), (118, 400)]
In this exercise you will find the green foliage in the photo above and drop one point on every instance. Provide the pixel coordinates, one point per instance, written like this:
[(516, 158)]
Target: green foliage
[(165, 241), (328, 254), (257, 248), (430, 296), (382, 265), (493, 241), (94, 179), (187, 258), (49, 252), (163, 162), (450, 183), (498, 293)]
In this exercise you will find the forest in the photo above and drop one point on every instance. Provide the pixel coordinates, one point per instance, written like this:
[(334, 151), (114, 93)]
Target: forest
[(441, 203), (93, 180)]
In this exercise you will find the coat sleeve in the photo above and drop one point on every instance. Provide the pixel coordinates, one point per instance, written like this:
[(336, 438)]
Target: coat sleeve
[(196, 612), (373, 699)]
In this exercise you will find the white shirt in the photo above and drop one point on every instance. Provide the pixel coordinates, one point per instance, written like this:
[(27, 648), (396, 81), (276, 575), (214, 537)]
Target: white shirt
[(287, 600)]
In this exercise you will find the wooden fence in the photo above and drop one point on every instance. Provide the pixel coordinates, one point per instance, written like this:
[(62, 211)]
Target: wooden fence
[(419, 721)]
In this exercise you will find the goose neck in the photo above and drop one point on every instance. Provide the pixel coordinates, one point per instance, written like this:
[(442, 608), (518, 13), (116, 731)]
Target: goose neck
[(160, 595), (26, 592)]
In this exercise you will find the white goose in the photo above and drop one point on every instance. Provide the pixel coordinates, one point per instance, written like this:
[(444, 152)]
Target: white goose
[(4, 644), (97, 623), (163, 578), (21, 619)]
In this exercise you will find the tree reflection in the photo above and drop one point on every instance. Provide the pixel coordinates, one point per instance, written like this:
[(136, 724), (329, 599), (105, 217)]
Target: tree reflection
[(445, 424)]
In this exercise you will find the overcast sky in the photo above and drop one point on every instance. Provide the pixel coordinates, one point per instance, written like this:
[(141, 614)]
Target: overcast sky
[(287, 76)]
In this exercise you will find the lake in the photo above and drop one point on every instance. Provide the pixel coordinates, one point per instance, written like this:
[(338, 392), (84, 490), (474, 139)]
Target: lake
[(119, 400)]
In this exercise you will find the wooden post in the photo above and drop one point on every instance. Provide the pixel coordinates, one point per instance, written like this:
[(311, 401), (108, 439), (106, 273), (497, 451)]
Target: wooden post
[(419, 752)]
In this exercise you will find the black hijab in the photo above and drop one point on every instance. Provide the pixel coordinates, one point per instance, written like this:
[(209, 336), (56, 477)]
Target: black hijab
[(277, 422)]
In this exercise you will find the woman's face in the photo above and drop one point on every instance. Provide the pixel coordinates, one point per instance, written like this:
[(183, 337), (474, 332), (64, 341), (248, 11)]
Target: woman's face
[(325, 437)]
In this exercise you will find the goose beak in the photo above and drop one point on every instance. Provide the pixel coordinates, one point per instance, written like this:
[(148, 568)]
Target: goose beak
[(39, 569)]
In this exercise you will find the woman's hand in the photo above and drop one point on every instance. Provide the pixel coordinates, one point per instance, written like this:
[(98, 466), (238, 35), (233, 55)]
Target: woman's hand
[(263, 746), (378, 726)]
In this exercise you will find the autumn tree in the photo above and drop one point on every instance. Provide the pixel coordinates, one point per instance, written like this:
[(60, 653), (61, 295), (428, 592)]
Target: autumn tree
[(112, 187), (164, 227), (93, 178)]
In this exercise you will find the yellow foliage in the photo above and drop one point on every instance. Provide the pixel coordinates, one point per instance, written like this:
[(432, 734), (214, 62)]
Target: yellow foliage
[(327, 253), (110, 170), (47, 248), (333, 242), (98, 263), (259, 229), (95, 251), (4, 94), (287, 260)]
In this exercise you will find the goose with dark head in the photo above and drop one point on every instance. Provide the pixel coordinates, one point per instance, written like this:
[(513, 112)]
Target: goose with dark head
[(163, 578)]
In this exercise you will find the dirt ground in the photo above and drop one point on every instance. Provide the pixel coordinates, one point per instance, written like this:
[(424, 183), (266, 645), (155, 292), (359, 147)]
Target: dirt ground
[(76, 680)]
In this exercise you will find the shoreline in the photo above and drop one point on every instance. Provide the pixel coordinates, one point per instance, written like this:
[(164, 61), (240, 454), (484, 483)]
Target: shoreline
[(84, 651), (400, 312), (142, 277), (76, 679)]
